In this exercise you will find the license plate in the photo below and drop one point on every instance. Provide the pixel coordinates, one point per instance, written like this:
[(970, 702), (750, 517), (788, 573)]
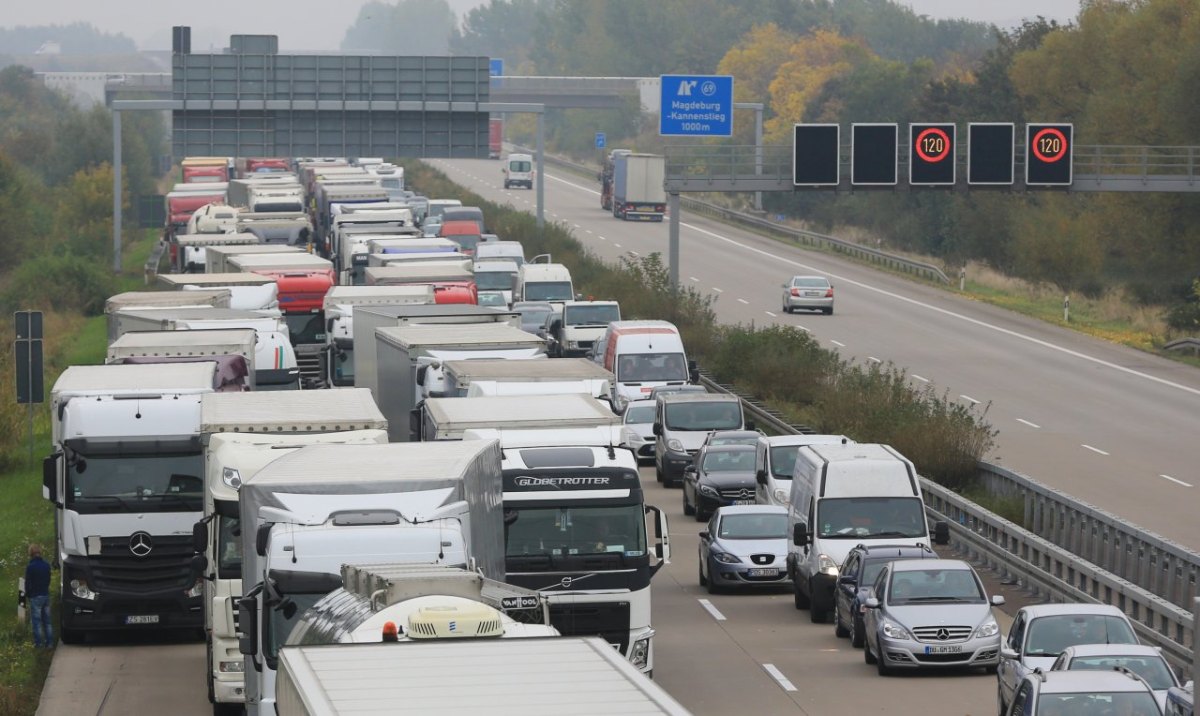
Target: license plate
[(943, 650), (764, 572), (743, 502), (142, 619), (813, 293)]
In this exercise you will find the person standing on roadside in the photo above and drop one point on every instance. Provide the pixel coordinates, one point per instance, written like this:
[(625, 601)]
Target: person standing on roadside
[(37, 592)]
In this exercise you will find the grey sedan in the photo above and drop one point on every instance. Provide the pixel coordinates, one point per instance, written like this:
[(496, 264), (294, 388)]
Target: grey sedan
[(808, 292), (744, 546)]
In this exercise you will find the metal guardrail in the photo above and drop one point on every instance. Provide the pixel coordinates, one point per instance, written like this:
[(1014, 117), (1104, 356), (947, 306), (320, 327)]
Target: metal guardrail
[(1050, 571), (799, 236), (150, 269), (1184, 345)]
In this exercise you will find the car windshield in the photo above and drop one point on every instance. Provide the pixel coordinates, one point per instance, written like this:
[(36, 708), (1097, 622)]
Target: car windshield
[(722, 415), (871, 571), (1124, 704), (639, 414), (729, 461), (467, 242), (548, 291), (751, 526), (534, 316), (492, 299), (651, 367), (1153, 669), (783, 461), (870, 517), (734, 440), (1049, 635), (590, 315), (919, 586), (810, 283), (494, 280)]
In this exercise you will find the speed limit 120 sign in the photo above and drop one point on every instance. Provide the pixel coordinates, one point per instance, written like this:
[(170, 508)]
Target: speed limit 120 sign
[(931, 155), (1049, 154)]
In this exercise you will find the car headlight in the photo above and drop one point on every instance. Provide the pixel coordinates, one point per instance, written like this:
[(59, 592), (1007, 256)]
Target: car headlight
[(196, 590), (988, 628), (675, 445), (639, 653), (81, 590), (782, 496), (826, 565), (709, 491), (725, 557), (629, 437), (231, 477), (232, 667), (892, 630)]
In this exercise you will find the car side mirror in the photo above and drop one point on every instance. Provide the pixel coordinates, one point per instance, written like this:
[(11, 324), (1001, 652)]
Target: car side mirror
[(761, 477), (750, 425), (1007, 652), (689, 468), (658, 429), (800, 534), (871, 603), (997, 600), (941, 533), (704, 534), (847, 579)]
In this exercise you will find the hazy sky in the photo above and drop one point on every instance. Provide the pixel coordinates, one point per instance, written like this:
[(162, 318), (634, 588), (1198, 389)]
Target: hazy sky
[(320, 24)]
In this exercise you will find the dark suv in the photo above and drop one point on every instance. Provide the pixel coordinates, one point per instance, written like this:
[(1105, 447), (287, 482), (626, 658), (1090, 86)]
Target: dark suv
[(858, 573)]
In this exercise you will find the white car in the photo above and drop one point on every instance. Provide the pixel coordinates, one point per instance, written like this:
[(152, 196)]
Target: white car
[(637, 433), (1145, 661)]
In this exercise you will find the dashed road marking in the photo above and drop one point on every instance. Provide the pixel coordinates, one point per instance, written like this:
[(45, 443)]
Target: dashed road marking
[(772, 315), (1023, 421), (917, 377), (742, 300), (708, 607), (873, 359), (718, 290), (839, 344), (1095, 450), (779, 677), (969, 399), (1177, 482)]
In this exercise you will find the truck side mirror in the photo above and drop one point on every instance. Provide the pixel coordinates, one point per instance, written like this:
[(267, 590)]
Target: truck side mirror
[(200, 537), (197, 567), (248, 626), (761, 477), (262, 539), (414, 423), (693, 372), (750, 425), (800, 534), (50, 478), (941, 533), (658, 429)]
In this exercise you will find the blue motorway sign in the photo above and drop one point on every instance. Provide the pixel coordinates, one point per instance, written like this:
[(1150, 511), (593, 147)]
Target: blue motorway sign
[(496, 67), (696, 106), (600, 140)]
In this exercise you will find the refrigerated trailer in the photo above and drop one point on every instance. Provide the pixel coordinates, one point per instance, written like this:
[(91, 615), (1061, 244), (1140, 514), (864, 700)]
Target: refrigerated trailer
[(232, 350)]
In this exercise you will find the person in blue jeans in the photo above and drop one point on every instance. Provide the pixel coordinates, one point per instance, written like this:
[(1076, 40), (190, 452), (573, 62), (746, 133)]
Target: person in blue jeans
[(37, 592)]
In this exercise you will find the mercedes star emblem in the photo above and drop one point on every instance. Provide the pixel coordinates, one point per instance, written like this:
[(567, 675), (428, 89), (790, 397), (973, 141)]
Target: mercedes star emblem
[(943, 634), (141, 544)]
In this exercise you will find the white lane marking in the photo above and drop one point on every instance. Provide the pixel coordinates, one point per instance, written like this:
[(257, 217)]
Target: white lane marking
[(922, 304), (577, 226), (772, 315), (802, 328), (633, 253), (588, 230), (778, 676), (742, 300), (969, 399), (917, 377), (1026, 422), (1177, 482), (693, 278), (873, 359), (602, 238), (839, 344), (718, 290), (708, 607), (1095, 450), (616, 244)]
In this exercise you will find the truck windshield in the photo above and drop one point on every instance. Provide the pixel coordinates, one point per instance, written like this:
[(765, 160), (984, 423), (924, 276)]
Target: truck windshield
[(343, 364), (467, 242), (279, 626), (494, 280), (870, 517), (652, 367), (282, 207), (535, 537), (724, 415), (306, 328), (548, 291), (590, 315), (136, 483), (229, 547)]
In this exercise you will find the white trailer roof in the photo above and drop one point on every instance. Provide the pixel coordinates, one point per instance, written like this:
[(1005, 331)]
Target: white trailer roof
[(564, 676), (137, 379), (216, 239), (290, 411), (213, 342), (467, 371), (218, 298), (257, 249), (281, 261), (378, 295), (422, 270), (362, 465), (457, 334), (215, 280), (568, 410)]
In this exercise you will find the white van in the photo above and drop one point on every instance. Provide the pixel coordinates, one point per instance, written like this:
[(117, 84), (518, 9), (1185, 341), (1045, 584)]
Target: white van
[(643, 355), (775, 461), (843, 496), (682, 421), (518, 171), (543, 282)]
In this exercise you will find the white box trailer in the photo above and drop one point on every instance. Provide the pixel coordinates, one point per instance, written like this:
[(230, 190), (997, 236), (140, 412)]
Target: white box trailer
[(369, 318), (337, 359), (232, 349), (447, 418), (570, 375), (214, 298), (564, 676), (421, 272), (248, 291), (401, 259), (216, 258), (409, 361), (300, 262), (193, 248)]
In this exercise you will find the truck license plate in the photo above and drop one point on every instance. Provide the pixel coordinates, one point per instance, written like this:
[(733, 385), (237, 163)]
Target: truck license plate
[(142, 619), (764, 572), (943, 650)]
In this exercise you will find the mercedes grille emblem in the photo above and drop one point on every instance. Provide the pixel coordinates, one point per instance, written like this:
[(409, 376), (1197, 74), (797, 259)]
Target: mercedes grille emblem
[(141, 544), (745, 493), (943, 634)]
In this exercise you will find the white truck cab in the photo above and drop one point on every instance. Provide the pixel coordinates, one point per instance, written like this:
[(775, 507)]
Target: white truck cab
[(518, 171)]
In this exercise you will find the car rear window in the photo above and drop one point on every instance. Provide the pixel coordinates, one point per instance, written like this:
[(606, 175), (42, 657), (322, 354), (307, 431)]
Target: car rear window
[(810, 282)]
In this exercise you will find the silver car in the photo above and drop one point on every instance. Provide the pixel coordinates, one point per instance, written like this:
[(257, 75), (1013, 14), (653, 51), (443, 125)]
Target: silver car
[(637, 432), (808, 292), (1145, 661), (744, 546), (930, 613)]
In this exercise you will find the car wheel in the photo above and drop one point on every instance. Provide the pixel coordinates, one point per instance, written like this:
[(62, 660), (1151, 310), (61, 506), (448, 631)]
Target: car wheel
[(829, 311), (658, 474), (687, 507), (991, 670), (801, 599), (816, 614), (868, 655), (881, 664), (701, 516), (711, 586), (839, 630), (70, 636), (1000, 699), (856, 632), (700, 569)]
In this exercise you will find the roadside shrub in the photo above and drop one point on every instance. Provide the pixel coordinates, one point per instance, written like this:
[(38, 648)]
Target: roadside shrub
[(60, 283)]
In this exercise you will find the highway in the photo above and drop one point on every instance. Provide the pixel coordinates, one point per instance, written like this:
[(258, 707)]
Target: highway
[(739, 653), (1107, 424)]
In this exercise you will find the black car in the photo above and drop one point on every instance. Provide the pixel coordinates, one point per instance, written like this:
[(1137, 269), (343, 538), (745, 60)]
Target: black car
[(857, 574), (721, 475)]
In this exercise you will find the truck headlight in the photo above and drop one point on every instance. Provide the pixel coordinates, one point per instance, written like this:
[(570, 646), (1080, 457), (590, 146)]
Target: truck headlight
[(81, 590), (988, 628), (781, 496), (675, 445), (231, 477), (196, 589), (639, 653), (232, 667), (826, 565)]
